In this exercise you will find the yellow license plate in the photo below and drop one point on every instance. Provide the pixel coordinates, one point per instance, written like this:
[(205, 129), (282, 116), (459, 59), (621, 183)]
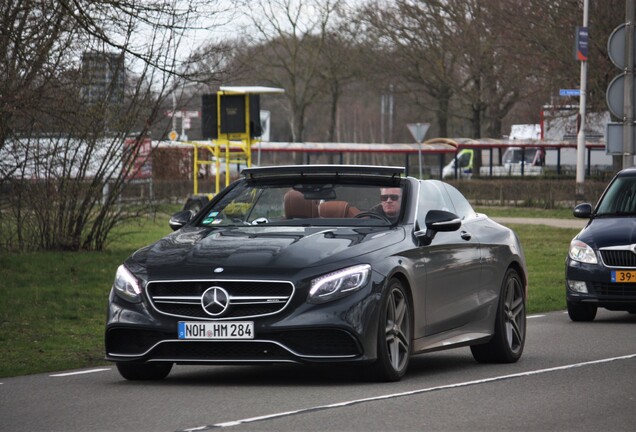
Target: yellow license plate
[(624, 276)]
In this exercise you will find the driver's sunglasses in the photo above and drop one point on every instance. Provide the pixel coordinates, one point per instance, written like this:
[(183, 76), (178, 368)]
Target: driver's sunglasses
[(393, 197)]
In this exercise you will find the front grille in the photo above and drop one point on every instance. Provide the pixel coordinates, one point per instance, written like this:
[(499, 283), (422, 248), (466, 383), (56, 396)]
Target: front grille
[(220, 351), (618, 258), (319, 342), (622, 290), (125, 341), (247, 299)]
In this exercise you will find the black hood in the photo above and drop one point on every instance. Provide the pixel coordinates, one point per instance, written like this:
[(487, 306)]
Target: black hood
[(193, 253), (609, 231)]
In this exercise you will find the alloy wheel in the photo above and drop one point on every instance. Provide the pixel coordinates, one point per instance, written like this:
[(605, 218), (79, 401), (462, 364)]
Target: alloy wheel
[(514, 315), (397, 329)]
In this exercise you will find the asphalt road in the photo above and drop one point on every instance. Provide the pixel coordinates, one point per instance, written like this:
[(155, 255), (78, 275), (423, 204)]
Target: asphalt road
[(572, 376)]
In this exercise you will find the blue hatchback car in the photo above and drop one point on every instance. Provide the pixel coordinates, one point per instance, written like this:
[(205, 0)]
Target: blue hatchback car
[(600, 269)]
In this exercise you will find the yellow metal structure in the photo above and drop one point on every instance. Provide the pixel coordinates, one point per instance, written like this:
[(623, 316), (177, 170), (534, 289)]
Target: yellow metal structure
[(224, 153), (228, 148)]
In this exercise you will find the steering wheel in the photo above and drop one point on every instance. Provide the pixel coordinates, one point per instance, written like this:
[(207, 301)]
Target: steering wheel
[(373, 215)]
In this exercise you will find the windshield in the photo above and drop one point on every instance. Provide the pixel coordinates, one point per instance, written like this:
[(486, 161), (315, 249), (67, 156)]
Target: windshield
[(620, 198), (464, 159), (316, 203)]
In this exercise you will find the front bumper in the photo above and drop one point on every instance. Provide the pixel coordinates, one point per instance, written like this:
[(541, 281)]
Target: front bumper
[(299, 346), (343, 331), (601, 291)]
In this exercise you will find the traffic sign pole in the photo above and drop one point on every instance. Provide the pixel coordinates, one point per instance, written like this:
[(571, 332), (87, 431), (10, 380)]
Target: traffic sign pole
[(620, 93), (628, 121), (418, 130)]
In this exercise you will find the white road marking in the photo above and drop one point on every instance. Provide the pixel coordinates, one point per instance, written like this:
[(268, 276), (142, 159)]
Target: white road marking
[(408, 393), (80, 372), (535, 316)]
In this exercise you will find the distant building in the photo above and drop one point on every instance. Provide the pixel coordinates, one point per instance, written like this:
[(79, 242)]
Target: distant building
[(103, 77)]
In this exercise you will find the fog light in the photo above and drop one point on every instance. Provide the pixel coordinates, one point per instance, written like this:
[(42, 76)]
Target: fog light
[(578, 286)]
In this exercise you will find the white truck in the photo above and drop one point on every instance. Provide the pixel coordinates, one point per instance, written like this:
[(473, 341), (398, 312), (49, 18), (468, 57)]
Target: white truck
[(515, 161), (556, 128)]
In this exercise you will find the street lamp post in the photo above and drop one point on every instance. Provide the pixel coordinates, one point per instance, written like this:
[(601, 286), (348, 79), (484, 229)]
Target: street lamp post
[(580, 142)]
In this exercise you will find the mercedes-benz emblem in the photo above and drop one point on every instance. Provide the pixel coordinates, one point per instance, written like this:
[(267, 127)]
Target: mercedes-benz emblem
[(215, 301)]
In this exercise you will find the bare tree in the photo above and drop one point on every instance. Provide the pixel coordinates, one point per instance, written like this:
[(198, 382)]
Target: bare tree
[(547, 33), (292, 33), (422, 51), (340, 65), (77, 78)]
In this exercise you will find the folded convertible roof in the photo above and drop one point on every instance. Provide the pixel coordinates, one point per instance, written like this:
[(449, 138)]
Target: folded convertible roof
[(326, 170)]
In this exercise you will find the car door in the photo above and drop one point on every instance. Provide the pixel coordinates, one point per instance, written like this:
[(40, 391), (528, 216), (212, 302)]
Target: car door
[(452, 264)]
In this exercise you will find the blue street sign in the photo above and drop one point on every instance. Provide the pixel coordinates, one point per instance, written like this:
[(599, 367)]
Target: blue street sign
[(569, 92)]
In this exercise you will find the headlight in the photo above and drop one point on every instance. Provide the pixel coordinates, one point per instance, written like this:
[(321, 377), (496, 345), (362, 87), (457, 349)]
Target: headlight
[(127, 285), (581, 252), (339, 283)]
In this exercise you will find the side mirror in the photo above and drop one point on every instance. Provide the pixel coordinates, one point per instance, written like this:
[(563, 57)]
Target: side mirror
[(583, 211), (442, 221), (438, 221), (179, 219)]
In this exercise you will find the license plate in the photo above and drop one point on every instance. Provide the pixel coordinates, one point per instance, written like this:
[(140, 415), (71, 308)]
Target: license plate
[(624, 276), (216, 330)]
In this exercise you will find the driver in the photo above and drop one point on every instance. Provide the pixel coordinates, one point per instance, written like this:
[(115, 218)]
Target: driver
[(390, 203)]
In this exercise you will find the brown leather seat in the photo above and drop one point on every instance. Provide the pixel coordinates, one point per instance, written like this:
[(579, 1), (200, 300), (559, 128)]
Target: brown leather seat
[(296, 206), (336, 209)]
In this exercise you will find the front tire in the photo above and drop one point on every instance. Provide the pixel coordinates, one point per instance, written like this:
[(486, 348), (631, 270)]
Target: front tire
[(394, 335), (581, 312), (506, 345), (144, 371)]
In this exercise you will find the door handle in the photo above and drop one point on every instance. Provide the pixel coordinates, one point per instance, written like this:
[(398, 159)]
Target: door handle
[(466, 235)]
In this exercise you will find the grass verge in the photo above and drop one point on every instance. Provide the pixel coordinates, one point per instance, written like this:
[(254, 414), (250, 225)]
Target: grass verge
[(559, 213), (53, 304), (545, 249)]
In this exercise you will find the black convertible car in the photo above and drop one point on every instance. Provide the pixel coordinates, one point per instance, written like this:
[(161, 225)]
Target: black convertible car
[(321, 263)]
